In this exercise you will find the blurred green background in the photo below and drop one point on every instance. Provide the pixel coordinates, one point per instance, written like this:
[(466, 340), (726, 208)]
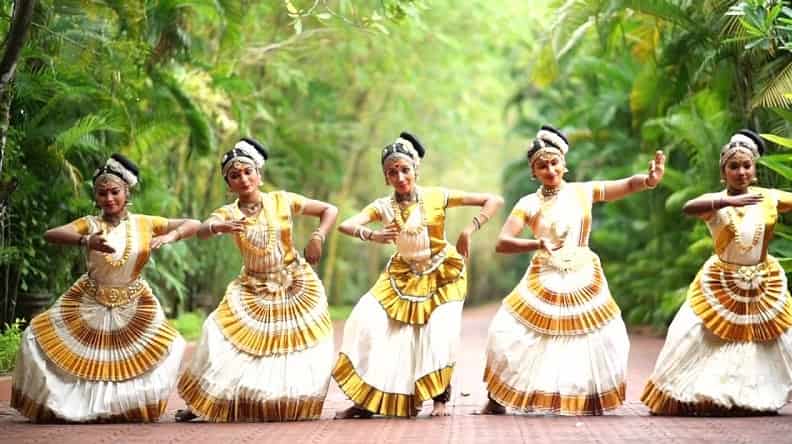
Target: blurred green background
[(327, 83)]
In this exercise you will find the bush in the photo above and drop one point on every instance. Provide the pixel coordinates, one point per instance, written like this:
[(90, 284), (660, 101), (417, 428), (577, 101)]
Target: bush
[(190, 324), (9, 345)]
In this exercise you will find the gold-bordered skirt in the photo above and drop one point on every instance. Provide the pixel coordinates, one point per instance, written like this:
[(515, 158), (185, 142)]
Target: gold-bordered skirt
[(266, 352), (558, 343), (728, 350), (98, 354), (401, 339)]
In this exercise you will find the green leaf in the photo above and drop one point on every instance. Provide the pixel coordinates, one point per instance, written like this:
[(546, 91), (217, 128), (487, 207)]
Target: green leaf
[(786, 142)]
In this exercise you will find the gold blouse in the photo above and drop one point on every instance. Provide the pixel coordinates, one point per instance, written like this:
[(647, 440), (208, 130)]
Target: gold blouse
[(131, 240), (267, 242)]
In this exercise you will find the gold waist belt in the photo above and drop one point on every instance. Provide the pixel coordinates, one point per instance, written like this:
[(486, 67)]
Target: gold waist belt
[(427, 265), (112, 295), (272, 280)]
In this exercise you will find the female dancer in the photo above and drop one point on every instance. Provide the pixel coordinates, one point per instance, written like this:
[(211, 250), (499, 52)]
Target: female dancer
[(729, 348), (558, 343), (400, 339), (267, 350), (104, 351)]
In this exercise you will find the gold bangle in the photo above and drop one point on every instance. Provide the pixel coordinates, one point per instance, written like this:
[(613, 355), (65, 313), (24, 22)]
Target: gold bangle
[(319, 235), (646, 183), (476, 223)]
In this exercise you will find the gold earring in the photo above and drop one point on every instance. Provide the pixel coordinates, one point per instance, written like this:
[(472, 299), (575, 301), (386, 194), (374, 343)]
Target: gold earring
[(754, 180)]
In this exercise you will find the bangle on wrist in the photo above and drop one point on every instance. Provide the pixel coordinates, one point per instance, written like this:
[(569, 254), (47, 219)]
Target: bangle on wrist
[(363, 232), (81, 240), (646, 183), (318, 234), (476, 223), (211, 228)]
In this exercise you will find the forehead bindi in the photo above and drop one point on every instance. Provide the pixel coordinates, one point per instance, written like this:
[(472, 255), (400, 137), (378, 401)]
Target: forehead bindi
[(107, 187), (397, 165)]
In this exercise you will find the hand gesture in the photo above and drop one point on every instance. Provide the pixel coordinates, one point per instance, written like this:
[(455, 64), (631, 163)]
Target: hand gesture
[(656, 169), (99, 243), (463, 243), (386, 235), (313, 251), (231, 226), (163, 239), (742, 200), (550, 247)]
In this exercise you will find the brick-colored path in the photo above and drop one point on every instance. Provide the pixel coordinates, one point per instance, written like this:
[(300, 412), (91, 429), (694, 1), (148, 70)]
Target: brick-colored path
[(629, 424)]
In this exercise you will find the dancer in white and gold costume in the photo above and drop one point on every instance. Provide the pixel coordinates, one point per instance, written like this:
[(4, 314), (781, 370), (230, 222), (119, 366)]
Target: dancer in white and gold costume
[(401, 338), (558, 343), (267, 350), (104, 351), (729, 348)]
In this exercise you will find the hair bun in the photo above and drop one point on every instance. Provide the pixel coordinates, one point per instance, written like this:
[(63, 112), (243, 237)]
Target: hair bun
[(760, 143), (258, 146), (419, 148), (126, 163)]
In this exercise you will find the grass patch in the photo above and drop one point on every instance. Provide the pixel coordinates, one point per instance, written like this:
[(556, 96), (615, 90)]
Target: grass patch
[(340, 312), (10, 339), (189, 324)]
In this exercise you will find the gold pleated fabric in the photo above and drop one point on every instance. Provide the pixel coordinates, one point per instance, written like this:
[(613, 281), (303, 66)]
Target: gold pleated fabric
[(663, 404), (411, 298), (262, 320), (584, 309), (742, 303), (385, 403), (41, 414), (245, 407), (558, 403), (118, 351)]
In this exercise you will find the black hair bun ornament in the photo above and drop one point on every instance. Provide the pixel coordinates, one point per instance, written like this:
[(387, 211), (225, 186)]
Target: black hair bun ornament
[(556, 131), (126, 163), (419, 148), (760, 143), (257, 146)]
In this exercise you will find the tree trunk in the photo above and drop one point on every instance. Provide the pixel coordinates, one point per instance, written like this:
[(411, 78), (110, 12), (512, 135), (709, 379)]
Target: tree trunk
[(17, 34)]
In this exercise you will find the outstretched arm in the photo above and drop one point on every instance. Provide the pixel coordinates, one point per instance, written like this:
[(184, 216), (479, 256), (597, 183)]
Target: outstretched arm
[(617, 189), (177, 230), (327, 214), (704, 206), (489, 203)]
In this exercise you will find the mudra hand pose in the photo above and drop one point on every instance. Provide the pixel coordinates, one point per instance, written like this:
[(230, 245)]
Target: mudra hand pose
[(104, 351), (558, 343), (401, 338), (729, 348), (267, 350)]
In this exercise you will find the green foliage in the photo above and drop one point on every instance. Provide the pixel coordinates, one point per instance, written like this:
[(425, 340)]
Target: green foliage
[(634, 77), (10, 340), (190, 325)]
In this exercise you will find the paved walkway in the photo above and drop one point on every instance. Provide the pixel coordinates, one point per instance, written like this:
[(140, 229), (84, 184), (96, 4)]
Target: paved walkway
[(629, 424)]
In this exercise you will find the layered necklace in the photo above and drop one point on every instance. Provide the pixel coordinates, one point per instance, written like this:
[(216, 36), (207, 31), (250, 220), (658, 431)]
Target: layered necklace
[(259, 237), (549, 193), (118, 263), (398, 217), (733, 215)]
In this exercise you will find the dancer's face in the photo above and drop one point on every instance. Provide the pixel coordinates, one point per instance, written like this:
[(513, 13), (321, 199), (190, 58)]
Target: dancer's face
[(243, 179), (400, 174), (739, 171), (111, 196), (549, 170)]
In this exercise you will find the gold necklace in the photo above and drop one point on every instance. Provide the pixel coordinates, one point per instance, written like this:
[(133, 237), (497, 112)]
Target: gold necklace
[(259, 238), (118, 263), (732, 214), (398, 218)]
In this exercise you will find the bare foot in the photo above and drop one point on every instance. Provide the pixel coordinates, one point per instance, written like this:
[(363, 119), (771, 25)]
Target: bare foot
[(352, 413), (493, 408), (184, 415), (439, 409)]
